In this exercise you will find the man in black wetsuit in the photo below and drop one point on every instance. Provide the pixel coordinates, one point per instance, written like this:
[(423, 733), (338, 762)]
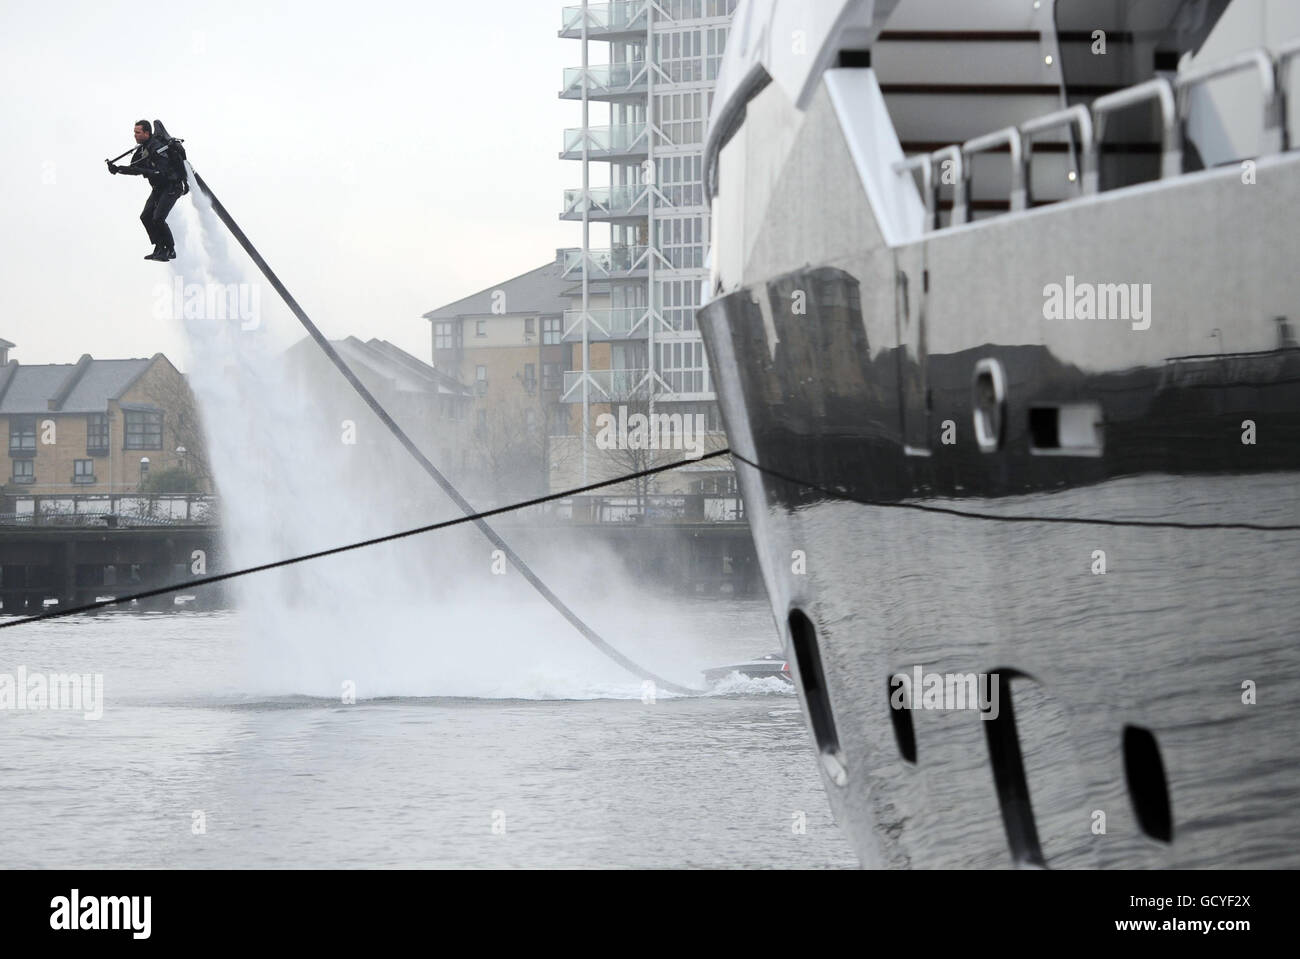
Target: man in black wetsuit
[(167, 187)]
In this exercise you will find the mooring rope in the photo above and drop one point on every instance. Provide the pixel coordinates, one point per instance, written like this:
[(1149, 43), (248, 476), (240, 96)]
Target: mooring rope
[(1004, 518), (191, 584), (579, 490)]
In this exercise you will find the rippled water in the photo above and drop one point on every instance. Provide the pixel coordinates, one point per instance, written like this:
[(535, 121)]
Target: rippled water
[(600, 779)]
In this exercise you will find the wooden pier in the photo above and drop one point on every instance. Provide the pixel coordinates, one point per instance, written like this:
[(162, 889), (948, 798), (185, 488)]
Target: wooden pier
[(73, 557), (72, 551)]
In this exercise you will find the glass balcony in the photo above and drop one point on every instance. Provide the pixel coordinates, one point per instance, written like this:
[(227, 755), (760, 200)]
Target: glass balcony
[(695, 384), (604, 19), (620, 261), (615, 324), (627, 140), (606, 386), (607, 81), (624, 201)]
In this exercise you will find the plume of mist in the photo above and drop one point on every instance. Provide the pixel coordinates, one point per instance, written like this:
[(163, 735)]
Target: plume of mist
[(422, 616)]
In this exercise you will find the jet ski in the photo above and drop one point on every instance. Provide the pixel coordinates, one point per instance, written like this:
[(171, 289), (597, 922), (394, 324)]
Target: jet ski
[(760, 667)]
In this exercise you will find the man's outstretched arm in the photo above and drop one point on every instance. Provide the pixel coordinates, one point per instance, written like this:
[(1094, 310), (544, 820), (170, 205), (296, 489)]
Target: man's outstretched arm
[(128, 170)]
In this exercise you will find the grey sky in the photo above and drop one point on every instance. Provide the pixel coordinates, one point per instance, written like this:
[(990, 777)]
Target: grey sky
[(385, 157)]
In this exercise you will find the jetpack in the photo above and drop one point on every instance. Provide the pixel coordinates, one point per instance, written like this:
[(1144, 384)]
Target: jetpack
[(173, 149)]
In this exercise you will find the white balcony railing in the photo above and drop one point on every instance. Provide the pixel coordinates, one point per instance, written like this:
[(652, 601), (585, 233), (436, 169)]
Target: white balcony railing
[(605, 79), (624, 138), (620, 385), (619, 260), (628, 199), (606, 386), (613, 324), (606, 17)]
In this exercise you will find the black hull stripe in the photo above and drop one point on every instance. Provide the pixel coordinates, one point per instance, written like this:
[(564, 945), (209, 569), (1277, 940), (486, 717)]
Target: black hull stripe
[(968, 514)]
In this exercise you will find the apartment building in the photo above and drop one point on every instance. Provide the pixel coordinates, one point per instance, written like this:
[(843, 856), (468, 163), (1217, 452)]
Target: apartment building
[(505, 343), (97, 426), (645, 88)]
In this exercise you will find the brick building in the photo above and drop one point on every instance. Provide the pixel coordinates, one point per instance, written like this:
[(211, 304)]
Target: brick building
[(97, 426), (505, 343)]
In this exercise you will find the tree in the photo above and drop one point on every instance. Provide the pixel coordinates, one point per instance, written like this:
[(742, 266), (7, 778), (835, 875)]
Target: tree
[(173, 395), (509, 449), (627, 456), (174, 480)]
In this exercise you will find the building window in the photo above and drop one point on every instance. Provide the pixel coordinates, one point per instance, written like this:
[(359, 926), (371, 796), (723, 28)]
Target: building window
[(715, 43), (683, 366), (83, 472), (677, 304), (681, 239), (681, 119), (144, 429), (22, 434), (551, 331), (97, 433), (24, 471), (557, 421), (678, 54), (480, 327), (719, 485), (480, 422), (530, 326), (530, 418), (550, 376), (530, 377), (681, 180), (444, 336), (710, 412), (480, 379)]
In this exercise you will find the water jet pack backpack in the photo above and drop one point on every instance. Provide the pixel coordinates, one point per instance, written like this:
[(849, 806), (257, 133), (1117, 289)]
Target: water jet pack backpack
[(174, 151)]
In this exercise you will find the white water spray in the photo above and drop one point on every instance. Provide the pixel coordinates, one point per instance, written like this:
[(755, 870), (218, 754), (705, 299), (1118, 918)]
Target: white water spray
[(419, 617)]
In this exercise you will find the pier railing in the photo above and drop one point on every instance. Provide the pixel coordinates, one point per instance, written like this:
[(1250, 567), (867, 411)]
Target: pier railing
[(628, 509), (109, 510)]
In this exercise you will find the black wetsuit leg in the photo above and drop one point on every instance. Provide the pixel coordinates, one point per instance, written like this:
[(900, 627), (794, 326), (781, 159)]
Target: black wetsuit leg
[(154, 217)]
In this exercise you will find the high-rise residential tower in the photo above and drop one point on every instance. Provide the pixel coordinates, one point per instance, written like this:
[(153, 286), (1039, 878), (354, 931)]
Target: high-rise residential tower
[(645, 84)]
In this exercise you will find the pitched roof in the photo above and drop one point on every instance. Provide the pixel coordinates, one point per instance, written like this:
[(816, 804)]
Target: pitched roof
[(406, 372), (403, 371), (537, 291), (89, 385), (102, 380)]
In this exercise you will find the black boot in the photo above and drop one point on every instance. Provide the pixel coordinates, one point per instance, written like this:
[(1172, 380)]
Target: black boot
[(171, 253), (157, 254)]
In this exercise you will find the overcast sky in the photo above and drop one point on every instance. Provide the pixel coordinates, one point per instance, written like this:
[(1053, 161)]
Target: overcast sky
[(385, 157)]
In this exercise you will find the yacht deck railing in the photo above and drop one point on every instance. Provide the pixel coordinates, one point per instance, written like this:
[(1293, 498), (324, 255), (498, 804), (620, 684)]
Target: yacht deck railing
[(951, 164)]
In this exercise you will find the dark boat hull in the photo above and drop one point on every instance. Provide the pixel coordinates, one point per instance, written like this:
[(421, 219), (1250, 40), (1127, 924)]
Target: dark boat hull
[(1149, 710)]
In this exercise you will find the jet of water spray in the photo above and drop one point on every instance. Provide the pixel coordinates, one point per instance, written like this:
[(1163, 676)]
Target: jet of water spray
[(415, 617)]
